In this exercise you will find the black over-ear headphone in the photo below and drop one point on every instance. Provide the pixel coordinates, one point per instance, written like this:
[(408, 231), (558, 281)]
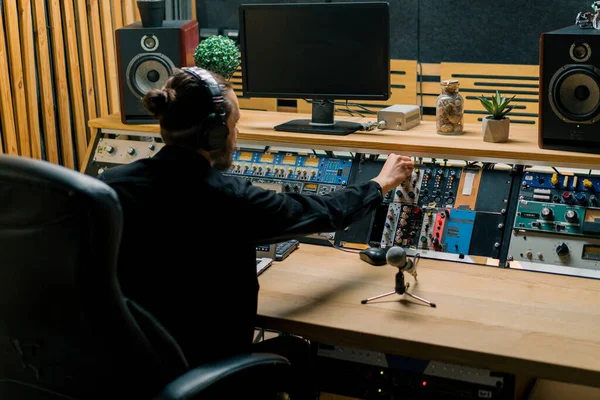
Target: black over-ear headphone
[(213, 131)]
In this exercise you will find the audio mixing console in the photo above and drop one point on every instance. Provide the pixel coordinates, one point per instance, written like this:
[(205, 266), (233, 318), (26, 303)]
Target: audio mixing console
[(444, 212), (294, 173), (474, 213), (557, 224)]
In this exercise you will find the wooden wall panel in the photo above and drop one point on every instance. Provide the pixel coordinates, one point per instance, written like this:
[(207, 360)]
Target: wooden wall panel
[(108, 41), (85, 56), (58, 70), (60, 83), (128, 14), (29, 77), (44, 74), (16, 76), (9, 132), (76, 92)]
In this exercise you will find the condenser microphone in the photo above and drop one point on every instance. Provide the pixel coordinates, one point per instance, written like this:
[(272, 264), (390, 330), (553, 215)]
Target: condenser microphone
[(396, 257)]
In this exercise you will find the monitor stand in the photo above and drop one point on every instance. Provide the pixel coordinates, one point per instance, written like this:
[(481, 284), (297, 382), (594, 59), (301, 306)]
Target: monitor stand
[(322, 122)]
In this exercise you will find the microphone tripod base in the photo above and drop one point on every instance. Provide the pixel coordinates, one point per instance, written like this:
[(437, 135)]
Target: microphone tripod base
[(401, 288)]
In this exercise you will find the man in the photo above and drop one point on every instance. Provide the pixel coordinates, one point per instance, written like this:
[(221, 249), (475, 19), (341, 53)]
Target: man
[(190, 233)]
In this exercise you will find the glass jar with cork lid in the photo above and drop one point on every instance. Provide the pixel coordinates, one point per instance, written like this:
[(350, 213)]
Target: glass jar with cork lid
[(449, 110)]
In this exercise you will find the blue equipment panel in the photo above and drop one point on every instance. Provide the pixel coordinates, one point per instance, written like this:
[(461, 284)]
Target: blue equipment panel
[(291, 166), (458, 231)]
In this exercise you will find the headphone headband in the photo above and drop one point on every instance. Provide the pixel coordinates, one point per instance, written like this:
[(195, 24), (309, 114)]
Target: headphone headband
[(213, 131), (206, 80)]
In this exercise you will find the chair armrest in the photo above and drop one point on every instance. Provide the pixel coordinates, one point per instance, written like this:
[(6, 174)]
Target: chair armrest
[(196, 382)]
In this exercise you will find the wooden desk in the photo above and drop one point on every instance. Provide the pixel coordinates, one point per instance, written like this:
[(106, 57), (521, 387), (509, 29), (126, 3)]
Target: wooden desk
[(513, 321), (421, 141)]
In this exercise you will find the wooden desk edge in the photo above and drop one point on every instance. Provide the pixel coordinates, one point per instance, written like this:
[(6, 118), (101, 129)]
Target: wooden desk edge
[(354, 143), (423, 351)]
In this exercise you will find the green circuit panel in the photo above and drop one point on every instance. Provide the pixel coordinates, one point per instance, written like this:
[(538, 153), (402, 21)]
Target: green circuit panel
[(550, 217)]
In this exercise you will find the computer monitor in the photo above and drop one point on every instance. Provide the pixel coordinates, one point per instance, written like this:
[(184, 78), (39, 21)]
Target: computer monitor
[(319, 51)]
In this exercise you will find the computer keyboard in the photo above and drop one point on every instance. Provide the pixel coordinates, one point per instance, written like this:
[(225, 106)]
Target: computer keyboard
[(284, 249)]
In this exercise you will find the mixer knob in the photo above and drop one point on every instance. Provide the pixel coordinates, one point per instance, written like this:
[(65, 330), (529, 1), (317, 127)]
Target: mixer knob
[(313, 173), (547, 213), (268, 169), (587, 183), (101, 170), (554, 179), (562, 250), (571, 216), (529, 255), (411, 195), (592, 200), (246, 167), (580, 197), (110, 149), (131, 151), (403, 222), (567, 197), (452, 172), (404, 215), (427, 172), (151, 147), (440, 171)]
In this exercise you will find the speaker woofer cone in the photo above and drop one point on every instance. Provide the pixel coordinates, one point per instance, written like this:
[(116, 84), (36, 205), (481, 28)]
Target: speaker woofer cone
[(574, 93), (148, 71)]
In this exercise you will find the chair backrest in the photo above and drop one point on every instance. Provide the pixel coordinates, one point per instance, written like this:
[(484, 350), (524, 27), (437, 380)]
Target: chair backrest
[(510, 80), (65, 329)]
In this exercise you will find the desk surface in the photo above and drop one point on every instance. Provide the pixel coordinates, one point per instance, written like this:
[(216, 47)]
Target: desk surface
[(420, 141), (514, 321)]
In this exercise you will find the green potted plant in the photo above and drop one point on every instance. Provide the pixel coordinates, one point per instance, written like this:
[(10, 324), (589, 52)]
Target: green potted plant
[(218, 54), (497, 125)]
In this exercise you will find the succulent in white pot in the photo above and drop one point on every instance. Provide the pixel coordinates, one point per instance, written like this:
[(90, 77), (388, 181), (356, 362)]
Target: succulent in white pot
[(496, 127)]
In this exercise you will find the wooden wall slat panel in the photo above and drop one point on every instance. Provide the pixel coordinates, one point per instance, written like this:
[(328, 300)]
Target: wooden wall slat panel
[(98, 57), (61, 84), (85, 54), (16, 76), (44, 73), (80, 128), (29, 77), (9, 129), (128, 14), (136, 12), (117, 13), (108, 40)]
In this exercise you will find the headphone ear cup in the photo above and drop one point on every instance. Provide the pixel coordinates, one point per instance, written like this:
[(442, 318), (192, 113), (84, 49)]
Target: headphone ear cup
[(215, 132), (217, 137)]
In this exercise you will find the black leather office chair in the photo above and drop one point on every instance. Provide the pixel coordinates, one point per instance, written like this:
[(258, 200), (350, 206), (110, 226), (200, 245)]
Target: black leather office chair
[(66, 331)]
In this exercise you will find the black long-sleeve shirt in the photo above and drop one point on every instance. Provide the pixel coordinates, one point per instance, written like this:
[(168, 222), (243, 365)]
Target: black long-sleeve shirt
[(189, 243)]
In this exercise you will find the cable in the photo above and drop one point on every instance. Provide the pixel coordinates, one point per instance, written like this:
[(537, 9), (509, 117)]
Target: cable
[(342, 249), (555, 170)]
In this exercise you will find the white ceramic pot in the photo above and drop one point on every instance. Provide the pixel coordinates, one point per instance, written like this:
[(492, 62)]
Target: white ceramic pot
[(495, 130)]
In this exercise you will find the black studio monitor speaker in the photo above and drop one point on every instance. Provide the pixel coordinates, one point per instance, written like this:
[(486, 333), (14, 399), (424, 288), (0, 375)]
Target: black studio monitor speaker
[(147, 54), (570, 90)]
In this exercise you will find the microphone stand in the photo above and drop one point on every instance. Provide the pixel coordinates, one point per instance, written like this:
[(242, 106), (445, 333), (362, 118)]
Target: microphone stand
[(402, 287)]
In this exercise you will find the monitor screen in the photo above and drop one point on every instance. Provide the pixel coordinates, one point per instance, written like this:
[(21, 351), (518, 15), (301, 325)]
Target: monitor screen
[(316, 50)]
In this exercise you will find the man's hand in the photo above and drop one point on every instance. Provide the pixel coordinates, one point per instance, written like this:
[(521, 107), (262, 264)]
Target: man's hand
[(395, 170)]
